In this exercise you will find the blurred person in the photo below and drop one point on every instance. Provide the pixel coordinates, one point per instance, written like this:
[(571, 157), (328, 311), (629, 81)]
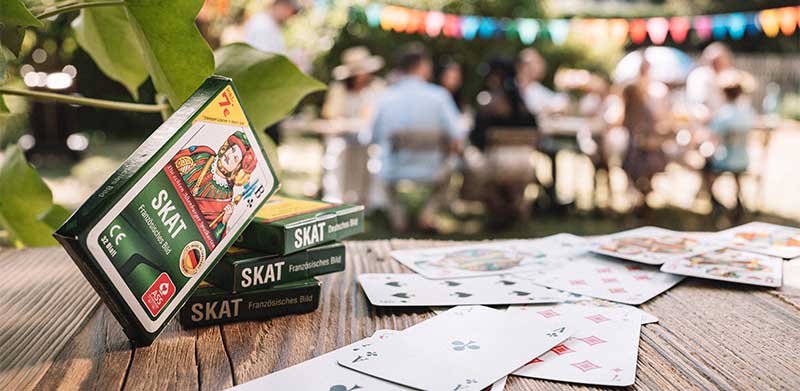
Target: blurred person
[(644, 157), (730, 126), (351, 98), (540, 100), (263, 29), (701, 84), (451, 77), (410, 108)]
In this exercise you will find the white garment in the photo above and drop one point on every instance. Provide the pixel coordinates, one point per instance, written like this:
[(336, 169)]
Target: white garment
[(539, 99), (263, 33), (701, 88)]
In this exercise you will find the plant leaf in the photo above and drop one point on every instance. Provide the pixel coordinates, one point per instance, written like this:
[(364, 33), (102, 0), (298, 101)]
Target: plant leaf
[(15, 13), (55, 216), (269, 85), (177, 57), (11, 37), (23, 198), (106, 34), (3, 107)]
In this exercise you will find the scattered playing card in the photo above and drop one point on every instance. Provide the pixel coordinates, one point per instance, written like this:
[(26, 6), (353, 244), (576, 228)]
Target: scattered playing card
[(651, 245), (506, 257), (589, 301), (325, 374), (763, 238), (609, 279), (603, 351), (730, 265), (465, 348), (407, 289)]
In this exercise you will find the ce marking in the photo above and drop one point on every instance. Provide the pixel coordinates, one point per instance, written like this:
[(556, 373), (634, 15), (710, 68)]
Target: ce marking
[(117, 237)]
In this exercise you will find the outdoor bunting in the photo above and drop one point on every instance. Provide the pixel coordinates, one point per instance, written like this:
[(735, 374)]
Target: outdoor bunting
[(770, 22)]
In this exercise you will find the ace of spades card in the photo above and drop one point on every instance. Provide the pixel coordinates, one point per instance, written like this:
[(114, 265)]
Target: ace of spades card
[(609, 279), (650, 245), (502, 257), (730, 265), (465, 348), (763, 238), (408, 289), (602, 351)]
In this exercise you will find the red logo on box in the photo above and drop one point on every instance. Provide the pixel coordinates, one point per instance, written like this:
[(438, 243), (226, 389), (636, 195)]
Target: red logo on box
[(158, 294)]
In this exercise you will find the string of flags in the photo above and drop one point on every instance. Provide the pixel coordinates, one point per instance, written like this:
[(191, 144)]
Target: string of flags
[(770, 22)]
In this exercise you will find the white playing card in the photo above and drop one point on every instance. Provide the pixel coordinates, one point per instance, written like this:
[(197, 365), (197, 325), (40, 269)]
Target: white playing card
[(325, 374), (506, 257), (603, 351), (589, 301), (651, 245), (408, 289), (730, 265), (465, 348), (609, 279), (763, 238)]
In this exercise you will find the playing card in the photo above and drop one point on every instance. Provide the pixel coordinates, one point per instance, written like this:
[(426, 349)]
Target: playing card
[(505, 257), (609, 279), (730, 265), (602, 351), (763, 238), (588, 301), (407, 289), (650, 245), (465, 348), (325, 374)]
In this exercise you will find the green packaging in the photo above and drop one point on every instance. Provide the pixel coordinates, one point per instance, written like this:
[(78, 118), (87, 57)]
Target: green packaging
[(286, 225), (242, 270), (150, 234), (210, 305)]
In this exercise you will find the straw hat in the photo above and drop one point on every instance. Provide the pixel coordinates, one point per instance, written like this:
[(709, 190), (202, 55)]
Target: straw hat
[(357, 61)]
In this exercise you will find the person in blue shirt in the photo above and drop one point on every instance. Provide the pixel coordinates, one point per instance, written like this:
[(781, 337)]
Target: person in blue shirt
[(416, 124), (730, 126)]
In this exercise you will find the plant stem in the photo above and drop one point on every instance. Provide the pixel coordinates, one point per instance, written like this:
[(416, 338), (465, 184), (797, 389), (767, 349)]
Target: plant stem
[(78, 100), (75, 7), (57, 4)]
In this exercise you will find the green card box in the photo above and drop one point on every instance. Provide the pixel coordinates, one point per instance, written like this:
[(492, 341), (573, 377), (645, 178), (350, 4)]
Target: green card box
[(245, 270), (286, 225), (150, 234), (210, 305)]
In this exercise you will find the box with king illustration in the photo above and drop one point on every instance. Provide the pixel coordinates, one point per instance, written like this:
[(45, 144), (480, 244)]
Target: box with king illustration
[(211, 305), (285, 225), (152, 232), (242, 270)]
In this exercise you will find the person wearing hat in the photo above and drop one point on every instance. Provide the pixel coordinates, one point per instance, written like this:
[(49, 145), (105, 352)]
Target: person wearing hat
[(351, 97), (729, 127)]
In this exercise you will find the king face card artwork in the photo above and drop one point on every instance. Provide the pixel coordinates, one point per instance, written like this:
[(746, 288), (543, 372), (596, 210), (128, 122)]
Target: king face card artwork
[(602, 352), (730, 265), (609, 279), (408, 289), (465, 348), (764, 238), (506, 257), (650, 245)]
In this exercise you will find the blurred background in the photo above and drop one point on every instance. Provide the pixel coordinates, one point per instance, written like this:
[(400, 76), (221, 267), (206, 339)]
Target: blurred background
[(477, 119)]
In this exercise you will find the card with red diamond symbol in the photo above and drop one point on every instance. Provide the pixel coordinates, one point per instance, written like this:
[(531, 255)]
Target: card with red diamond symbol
[(602, 352)]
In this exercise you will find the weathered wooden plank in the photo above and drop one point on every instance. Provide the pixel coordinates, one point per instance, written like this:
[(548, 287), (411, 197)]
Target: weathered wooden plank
[(168, 364), (213, 366)]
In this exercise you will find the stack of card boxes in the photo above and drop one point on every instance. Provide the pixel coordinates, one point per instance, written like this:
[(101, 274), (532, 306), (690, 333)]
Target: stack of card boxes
[(272, 269)]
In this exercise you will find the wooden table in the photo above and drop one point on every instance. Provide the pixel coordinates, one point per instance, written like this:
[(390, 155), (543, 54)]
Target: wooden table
[(710, 336)]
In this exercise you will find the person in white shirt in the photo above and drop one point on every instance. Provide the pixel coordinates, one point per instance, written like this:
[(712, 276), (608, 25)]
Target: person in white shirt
[(701, 84), (539, 100), (263, 30)]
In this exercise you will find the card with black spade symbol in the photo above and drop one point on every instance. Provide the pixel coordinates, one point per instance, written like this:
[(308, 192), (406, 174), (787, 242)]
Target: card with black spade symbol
[(466, 349), (414, 290), (323, 373), (485, 259)]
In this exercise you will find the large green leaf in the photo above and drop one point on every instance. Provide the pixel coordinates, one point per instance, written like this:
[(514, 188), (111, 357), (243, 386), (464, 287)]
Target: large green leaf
[(11, 38), (269, 85), (106, 34), (24, 199), (175, 54), (15, 13)]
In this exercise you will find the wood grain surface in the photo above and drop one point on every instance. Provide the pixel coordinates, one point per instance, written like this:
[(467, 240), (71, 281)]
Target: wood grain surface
[(710, 336)]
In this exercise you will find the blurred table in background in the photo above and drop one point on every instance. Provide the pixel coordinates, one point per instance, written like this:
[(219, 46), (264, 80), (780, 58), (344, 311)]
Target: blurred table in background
[(710, 336)]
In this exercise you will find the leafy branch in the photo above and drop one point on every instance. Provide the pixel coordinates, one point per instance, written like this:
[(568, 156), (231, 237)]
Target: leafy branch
[(77, 6), (78, 100)]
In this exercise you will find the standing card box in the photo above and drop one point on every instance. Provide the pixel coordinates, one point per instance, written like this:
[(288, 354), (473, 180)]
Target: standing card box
[(286, 225), (211, 305), (150, 234), (242, 270)]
